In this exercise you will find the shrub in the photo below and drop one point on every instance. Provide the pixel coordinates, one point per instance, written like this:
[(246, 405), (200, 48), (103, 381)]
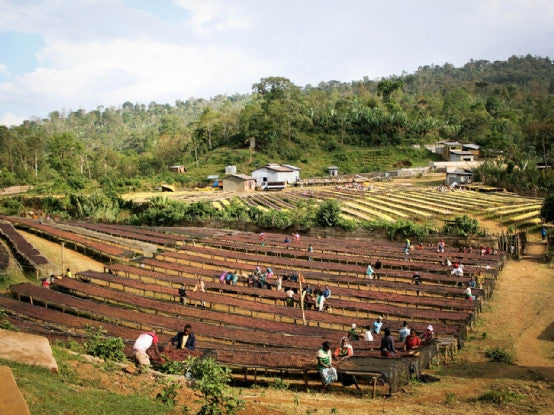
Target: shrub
[(280, 384), (348, 224), (109, 348), (500, 397), (70, 345), (328, 213), (450, 399), (162, 211), (97, 205), (498, 354), (6, 324), (211, 381), (271, 218), (405, 228), (11, 206), (465, 225), (169, 394), (172, 367)]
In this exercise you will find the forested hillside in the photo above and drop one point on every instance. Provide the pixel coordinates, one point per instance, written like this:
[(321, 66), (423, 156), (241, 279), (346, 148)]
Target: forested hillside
[(504, 106)]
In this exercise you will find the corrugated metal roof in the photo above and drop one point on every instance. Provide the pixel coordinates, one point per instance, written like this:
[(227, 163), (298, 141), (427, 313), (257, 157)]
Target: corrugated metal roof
[(278, 167), (291, 166), (242, 176), (461, 152)]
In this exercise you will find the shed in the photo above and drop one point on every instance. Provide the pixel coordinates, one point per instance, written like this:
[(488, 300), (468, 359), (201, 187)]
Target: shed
[(459, 155), (276, 173), (333, 170), (474, 148), (459, 176), (445, 147), (239, 183), (178, 169)]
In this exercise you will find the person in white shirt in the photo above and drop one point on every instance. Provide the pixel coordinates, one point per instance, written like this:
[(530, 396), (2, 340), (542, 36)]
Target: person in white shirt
[(403, 332), (368, 337), (457, 271), (142, 344)]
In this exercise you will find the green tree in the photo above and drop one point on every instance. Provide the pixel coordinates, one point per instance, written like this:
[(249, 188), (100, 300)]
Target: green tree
[(64, 151), (283, 112), (387, 87), (540, 134), (547, 209), (328, 213)]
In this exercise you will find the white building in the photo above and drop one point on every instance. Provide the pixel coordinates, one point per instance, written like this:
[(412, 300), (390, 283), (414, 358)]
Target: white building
[(461, 155), (276, 173), (459, 176)]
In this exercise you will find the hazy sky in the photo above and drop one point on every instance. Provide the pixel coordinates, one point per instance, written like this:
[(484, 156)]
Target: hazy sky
[(73, 54)]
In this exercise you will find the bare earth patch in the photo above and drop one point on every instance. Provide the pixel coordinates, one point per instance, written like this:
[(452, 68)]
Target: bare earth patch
[(71, 259)]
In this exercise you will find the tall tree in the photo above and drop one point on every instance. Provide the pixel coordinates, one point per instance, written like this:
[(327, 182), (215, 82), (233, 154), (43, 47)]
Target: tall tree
[(64, 152)]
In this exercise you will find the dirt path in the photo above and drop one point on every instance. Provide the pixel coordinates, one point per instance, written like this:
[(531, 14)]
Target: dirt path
[(53, 251), (522, 314)]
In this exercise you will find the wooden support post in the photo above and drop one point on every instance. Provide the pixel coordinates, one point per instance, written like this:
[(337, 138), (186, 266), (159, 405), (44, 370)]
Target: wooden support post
[(374, 387)]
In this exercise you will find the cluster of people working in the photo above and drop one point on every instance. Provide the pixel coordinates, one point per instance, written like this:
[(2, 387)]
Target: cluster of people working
[(185, 340), (327, 361)]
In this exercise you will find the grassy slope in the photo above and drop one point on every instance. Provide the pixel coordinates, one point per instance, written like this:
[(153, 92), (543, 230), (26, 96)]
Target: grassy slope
[(312, 160)]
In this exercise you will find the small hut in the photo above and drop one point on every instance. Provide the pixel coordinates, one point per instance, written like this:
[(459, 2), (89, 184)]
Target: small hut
[(239, 183), (333, 170), (459, 176), (178, 169)]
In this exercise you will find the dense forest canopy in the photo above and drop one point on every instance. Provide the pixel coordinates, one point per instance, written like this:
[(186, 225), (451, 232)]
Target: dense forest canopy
[(506, 107)]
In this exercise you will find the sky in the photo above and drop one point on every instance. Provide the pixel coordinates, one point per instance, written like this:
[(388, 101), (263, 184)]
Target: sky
[(66, 55)]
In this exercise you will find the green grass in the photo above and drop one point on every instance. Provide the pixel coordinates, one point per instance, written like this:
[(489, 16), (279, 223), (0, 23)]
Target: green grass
[(69, 393), (313, 163)]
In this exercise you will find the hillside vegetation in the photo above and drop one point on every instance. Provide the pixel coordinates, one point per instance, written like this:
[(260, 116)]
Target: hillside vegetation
[(506, 107)]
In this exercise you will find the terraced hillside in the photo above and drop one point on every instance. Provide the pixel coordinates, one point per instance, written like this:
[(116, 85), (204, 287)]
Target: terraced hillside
[(390, 201), (249, 325)]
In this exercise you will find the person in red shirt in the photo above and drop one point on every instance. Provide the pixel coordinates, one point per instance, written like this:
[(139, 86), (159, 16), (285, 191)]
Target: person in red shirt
[(412, 341), (428, 335), (345, 351)]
